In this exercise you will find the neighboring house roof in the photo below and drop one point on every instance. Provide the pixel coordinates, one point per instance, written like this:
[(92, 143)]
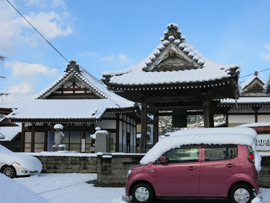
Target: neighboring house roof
[(9, 133), (174, 61), (251, 80)]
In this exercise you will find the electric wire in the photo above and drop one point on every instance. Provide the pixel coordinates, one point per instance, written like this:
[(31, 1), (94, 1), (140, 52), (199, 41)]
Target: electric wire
[(37, 31), (253, 73)]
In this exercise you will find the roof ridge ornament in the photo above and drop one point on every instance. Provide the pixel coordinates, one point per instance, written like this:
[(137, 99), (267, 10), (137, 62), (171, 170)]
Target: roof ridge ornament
[(72, 65), (173, 32)]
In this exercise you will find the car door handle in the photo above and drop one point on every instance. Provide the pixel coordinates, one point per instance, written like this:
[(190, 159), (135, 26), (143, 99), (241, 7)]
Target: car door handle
[(191, 168), (230, 165)]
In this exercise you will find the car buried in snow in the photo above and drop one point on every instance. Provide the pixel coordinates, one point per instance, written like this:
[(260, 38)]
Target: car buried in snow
[(17, 164), (218, 163)]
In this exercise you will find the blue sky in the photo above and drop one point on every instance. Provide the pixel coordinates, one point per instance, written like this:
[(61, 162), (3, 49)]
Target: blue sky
[(111, 35)]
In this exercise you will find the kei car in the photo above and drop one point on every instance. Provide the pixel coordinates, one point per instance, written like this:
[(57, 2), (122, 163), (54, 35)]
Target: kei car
[(220, 163), (18, 164)]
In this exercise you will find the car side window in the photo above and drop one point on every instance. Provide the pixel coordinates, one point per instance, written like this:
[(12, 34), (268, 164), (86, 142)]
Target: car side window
[(183, 154), (220, 152)]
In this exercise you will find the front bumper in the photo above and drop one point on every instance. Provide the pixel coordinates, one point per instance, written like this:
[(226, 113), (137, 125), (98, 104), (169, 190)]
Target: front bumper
[(127, 198)]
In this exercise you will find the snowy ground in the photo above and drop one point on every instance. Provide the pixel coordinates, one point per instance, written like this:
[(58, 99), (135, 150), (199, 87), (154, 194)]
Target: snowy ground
[(69, 188)]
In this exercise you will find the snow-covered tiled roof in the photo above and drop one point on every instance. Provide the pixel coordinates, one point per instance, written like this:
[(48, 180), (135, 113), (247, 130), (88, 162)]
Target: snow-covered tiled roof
[(9, 132), (250, 80), (36, 107), (204, 70), (243, 100), (64, 109)]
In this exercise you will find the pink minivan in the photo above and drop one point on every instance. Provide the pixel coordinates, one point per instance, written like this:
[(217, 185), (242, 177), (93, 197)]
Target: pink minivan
[(212, 165)]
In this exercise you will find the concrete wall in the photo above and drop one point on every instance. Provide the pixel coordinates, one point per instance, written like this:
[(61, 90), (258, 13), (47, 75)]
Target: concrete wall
[(68, 164), (113, 168), (264, 176)]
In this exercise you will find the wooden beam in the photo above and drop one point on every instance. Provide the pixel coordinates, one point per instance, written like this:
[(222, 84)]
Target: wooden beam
[(46, 141), (170, 108), (173, 98), (143, 125)]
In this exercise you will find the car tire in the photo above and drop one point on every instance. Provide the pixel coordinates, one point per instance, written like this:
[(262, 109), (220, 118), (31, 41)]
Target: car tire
[(142, 193), (241, 194), (9, 171)]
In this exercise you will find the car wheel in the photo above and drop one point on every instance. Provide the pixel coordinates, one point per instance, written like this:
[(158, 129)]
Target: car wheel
[(9, 171), (142, 193), (241, 194)]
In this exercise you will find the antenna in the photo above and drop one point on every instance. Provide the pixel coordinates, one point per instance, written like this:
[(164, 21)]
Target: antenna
[(2, 67)]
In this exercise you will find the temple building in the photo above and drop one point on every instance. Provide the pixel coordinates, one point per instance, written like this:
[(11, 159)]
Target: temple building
[(175, 79)]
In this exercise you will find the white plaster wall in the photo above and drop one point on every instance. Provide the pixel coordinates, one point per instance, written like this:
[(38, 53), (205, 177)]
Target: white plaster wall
[(241, 119), (264, 118)]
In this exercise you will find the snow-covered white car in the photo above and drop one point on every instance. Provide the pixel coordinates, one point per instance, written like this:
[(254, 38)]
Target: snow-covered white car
[(16, 164)]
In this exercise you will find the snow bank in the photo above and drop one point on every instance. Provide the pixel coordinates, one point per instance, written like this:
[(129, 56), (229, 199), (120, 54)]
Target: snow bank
[(14, 192), (26, 161), (185, 137)]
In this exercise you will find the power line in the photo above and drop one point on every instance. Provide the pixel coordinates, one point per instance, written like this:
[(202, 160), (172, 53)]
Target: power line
[(253, 73), (37, 31)]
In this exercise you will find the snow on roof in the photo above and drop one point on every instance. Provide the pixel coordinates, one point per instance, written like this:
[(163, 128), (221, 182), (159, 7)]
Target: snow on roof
[(9, 133), (243, 100), (205, 136), (19, 192), (248, 125), (136, 75), (91, 81), (250, 80), (63, 109), (26, 161)]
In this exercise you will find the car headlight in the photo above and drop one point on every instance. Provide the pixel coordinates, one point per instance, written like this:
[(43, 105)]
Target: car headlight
[(129, 171)]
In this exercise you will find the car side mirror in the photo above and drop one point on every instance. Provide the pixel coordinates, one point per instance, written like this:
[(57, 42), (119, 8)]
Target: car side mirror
[(163, 160)]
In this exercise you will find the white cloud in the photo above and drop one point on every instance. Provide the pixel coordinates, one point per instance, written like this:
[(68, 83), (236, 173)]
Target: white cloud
[(15, 31), (84, 54), (266, 56), (50, 25), (267, 46), (26, 71), (122, 57), (45, 3), (22, 89), (109, 58)]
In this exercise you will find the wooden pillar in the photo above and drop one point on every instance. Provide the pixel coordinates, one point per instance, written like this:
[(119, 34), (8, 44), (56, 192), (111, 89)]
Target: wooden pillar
[(227, 118), (206, 110), (211, 114), (23, 138), (33, 138), (46, 141), (143, 125), (117, 134), (155, 133), (256, 109)]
